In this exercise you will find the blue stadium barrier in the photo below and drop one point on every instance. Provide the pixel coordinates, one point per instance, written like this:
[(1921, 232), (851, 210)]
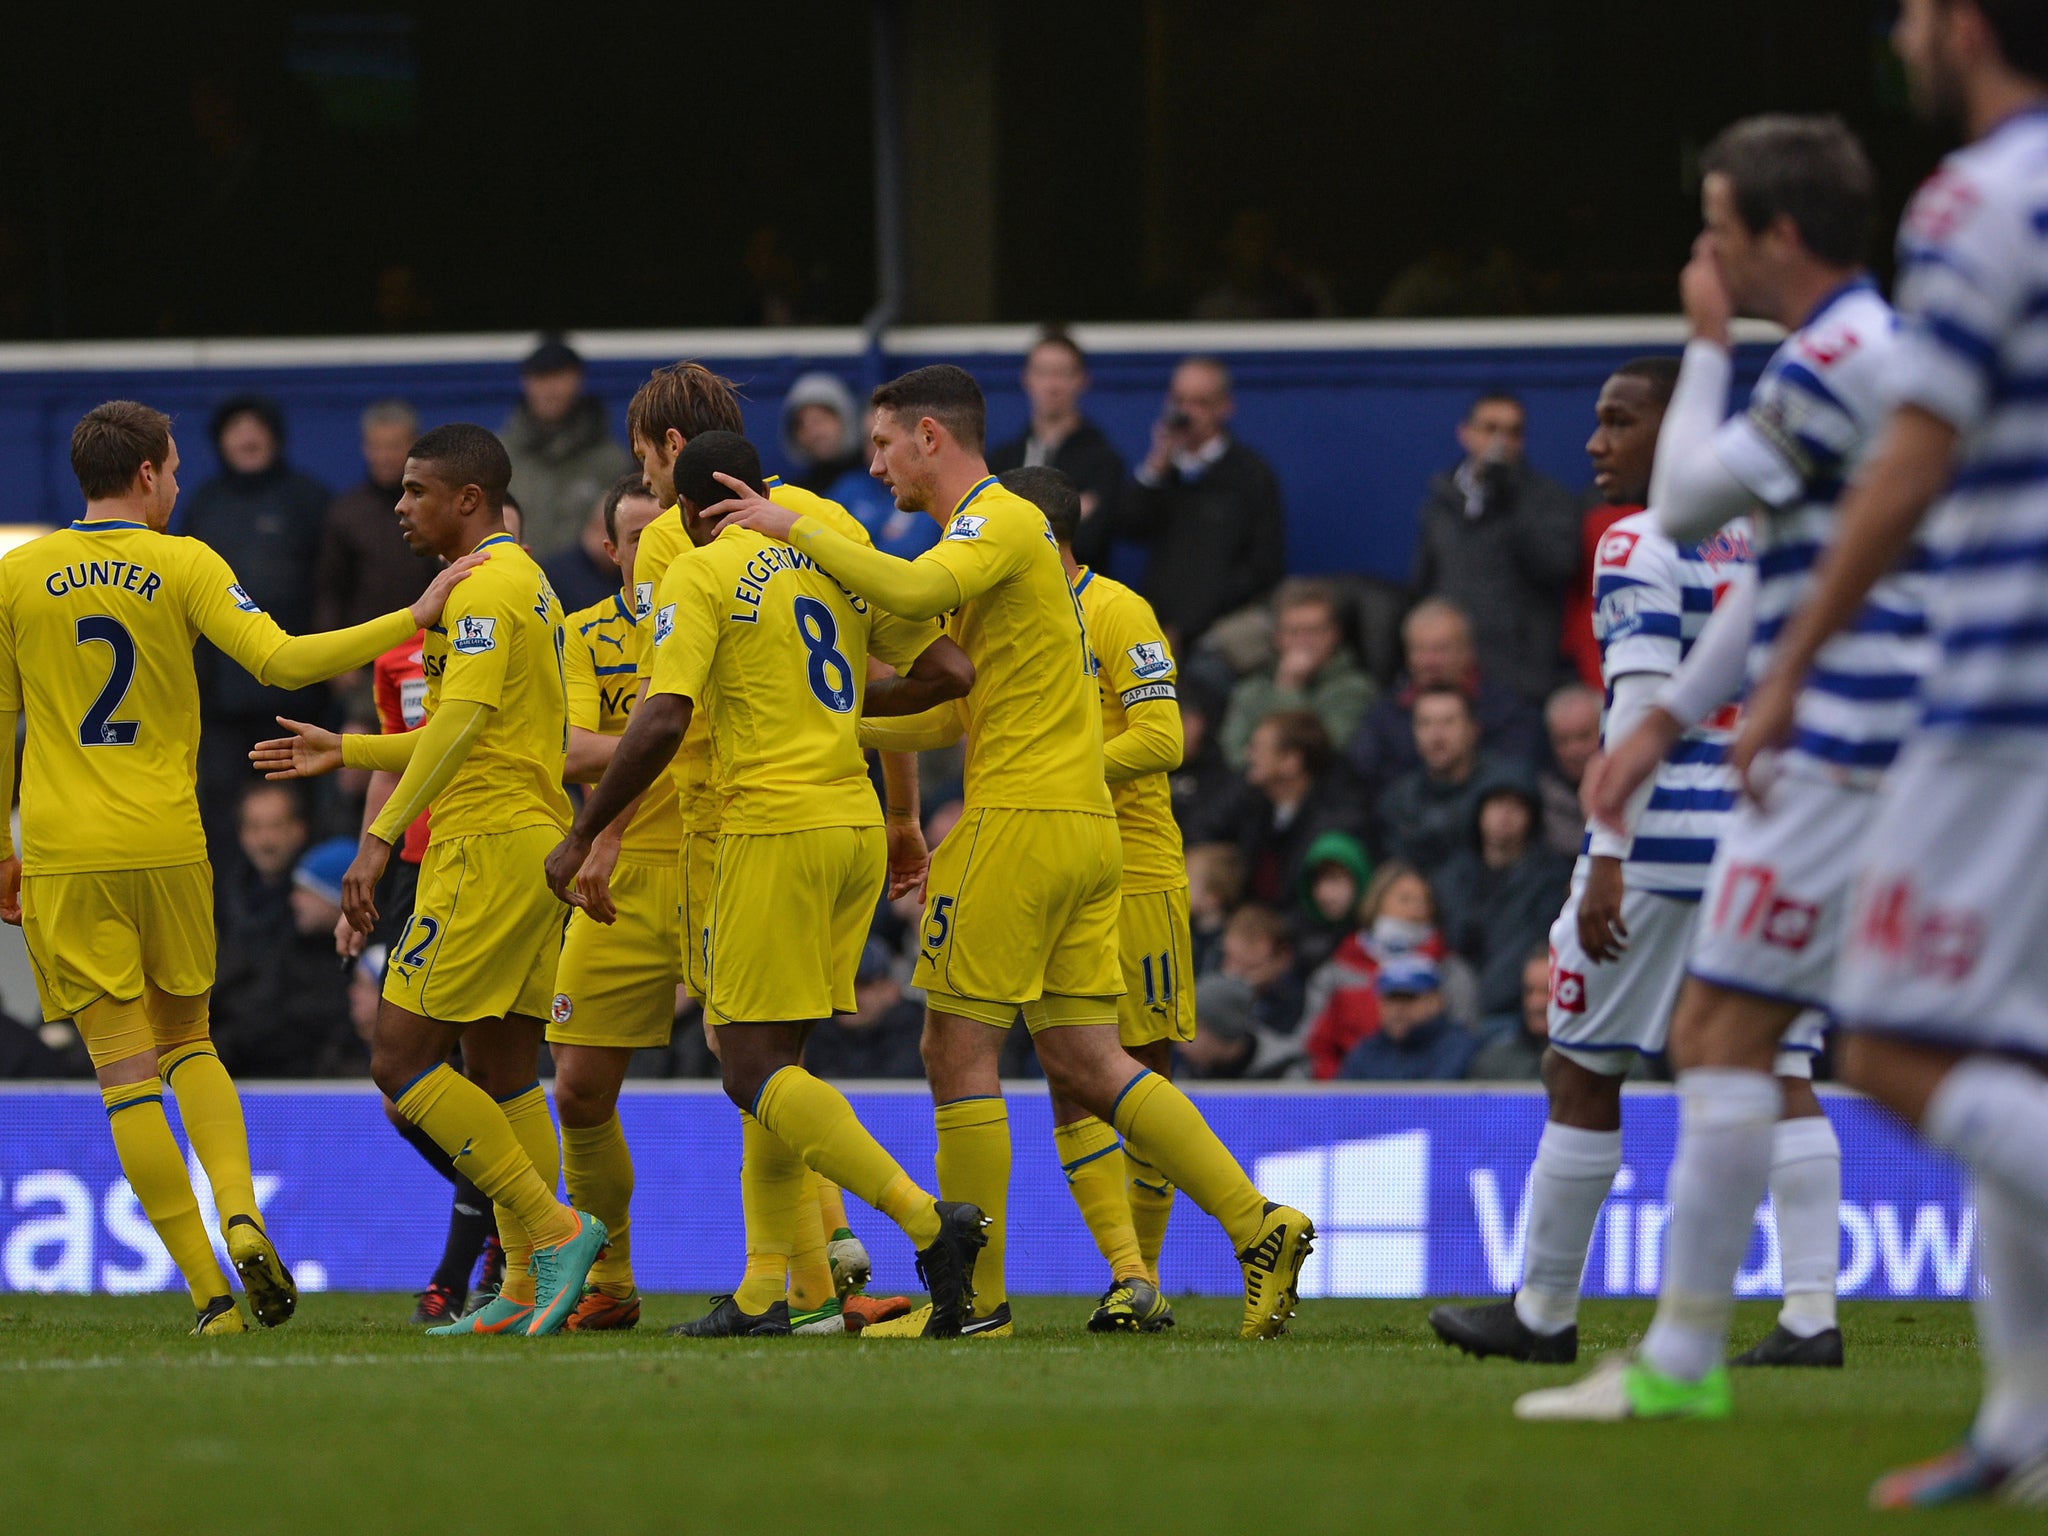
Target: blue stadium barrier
[(1417, 1192), (1354, 415)]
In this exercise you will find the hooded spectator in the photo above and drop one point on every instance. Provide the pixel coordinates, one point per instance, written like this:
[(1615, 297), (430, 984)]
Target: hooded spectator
[(1313, 669), (266, 520), (1502, 892), (821, 434), (564, 457), (1333, 878), (1417, 1041)]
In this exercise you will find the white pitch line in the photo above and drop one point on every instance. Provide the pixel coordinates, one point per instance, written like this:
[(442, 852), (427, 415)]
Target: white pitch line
[(436, 1357)]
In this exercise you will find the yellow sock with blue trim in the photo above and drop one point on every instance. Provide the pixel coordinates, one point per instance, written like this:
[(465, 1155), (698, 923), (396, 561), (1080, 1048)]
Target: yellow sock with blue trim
[(156, 1172), (771, 1192), (211, 1112), (1164, 1121), (527, 1113), (597, 1167), (1150, 1194), (1095, 1178), (810, 1271), (974, 1165), (815, 1119), (479, 1135)]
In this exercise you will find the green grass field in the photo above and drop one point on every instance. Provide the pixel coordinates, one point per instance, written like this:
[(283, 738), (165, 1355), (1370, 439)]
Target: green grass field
[(346, 1420)]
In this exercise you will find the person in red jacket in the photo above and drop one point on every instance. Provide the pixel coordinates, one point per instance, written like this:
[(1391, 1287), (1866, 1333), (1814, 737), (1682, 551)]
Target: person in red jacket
[(1396, 916)]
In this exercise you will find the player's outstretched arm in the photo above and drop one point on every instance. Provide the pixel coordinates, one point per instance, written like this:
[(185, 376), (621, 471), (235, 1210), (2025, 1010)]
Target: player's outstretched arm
[(911, 589), (298, 661), (926, 732), (1874, 526), (649, 743), (940, 674), (590, 753)]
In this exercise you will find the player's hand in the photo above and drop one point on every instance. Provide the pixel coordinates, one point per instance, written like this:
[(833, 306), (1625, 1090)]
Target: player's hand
[(359, 885), (747, 508), (563, 866), (426, 610), (308, 752), (909, 859), (594, 878), (347, 942), (1602, 933), (1766, 726), (10, 890), (1703, 292)]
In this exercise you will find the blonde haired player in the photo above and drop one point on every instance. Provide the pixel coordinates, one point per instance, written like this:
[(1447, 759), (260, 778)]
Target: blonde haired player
[(476, 964), (776, 652), (1025, 894), (113, 889)]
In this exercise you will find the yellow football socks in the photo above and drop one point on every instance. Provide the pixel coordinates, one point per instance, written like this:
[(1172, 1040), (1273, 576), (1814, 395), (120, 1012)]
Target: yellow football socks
[(1150, 1194), (810, 1272), (1095, 1178), (598, 1168), (480, 1136), (1164, 1121), (527, 1113), (156, 1172), (831, 1206), (771, 1192), (814, 1118), (974, 1165), (211, 1111)]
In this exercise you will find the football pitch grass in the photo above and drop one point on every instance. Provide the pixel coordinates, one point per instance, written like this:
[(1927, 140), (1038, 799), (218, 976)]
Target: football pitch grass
[(111, 1420)]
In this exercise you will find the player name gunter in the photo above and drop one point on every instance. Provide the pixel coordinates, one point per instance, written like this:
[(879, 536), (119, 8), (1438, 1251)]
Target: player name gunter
[(125, 574)]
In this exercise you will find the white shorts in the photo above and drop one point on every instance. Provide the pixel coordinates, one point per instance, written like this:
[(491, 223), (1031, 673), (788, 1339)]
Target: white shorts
[(1604, 1016), (1946, 942), (1777, 897)]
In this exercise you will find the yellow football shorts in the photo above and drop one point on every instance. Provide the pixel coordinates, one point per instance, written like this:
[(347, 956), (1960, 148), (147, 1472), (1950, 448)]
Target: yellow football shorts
[(693, 929), (1021, 912), (1157, 953), (111, 932), (486, 931), (615, 984), (790, 912)]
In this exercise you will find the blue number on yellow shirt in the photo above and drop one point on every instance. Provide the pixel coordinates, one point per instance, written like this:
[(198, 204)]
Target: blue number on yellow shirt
[(820, 634), (99, 728)]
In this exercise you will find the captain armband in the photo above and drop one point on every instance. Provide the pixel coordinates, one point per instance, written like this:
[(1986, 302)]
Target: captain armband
[(1145, 691)]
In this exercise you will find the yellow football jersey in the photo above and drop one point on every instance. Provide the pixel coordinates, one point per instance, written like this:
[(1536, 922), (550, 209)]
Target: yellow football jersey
[(501, 642), (600, 674), (662, 543), (776, 652), (1034, 725), (1134, 669), (97, 623)]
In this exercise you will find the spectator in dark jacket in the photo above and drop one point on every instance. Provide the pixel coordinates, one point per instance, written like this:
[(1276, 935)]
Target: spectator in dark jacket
[(1208, 508), (822, 434), (1426, 816), (1333, 878), (280, 1008), (1248, 1013), (1055, 379), (266, 519), (564, 456), (1417, 1041), (1502, 542), (1501, 894), (1293, 793), (1511, 1045), (1571, 719), (583, 573), (880, 1037), (365, 568), (1437, 643), (1205, 788)]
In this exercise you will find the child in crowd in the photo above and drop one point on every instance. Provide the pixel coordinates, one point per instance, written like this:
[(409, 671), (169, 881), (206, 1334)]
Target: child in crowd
[(1215, 888), (1248, 1013), (1333, 877)]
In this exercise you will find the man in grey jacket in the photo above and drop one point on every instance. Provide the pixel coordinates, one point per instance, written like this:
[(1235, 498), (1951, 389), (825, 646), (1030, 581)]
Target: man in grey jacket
[(1502, 542), (564, 457)]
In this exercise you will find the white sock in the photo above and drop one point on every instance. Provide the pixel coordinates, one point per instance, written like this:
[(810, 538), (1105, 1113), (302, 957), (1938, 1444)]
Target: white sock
[(1574, 1171), (1993, 1114), (1806, 1198), (2012, 1327), (1726, 1120)]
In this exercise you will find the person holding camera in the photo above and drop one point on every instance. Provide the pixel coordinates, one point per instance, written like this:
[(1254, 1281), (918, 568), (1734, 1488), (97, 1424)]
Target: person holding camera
[(1501, 542), (1207, 507)]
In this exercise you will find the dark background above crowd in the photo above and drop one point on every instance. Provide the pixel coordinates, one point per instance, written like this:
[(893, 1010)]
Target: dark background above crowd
[(1144, 158)]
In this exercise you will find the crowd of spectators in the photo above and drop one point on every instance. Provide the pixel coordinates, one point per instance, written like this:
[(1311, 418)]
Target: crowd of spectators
[(1375, 852)]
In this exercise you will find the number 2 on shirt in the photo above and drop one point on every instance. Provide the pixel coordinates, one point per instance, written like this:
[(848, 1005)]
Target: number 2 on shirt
[(99, 728)]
